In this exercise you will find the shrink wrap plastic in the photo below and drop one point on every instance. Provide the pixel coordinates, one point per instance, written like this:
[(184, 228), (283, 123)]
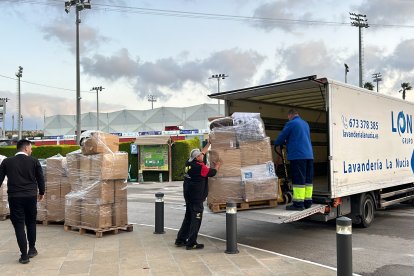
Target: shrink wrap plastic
[(52, 208), (4, 203), (98, 197), (247, 171)]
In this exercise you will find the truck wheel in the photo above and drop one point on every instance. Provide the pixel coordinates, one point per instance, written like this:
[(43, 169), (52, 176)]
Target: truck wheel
[(367, 211)]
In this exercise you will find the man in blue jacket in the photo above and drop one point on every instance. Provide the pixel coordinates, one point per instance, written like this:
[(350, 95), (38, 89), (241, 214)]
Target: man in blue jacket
[(296, 136)]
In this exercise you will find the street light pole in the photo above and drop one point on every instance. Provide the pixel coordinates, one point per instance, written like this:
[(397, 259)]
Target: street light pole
[(346, 72), (80, 5), (4, 103), (97, 89), (19, 74), (218, 77), (360, 21), (377, 78), (152, 99)]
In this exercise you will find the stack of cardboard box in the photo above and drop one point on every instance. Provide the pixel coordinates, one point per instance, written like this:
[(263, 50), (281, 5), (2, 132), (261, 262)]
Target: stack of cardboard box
[(4, 203), (97, 174), (52, 208), (247, 170)]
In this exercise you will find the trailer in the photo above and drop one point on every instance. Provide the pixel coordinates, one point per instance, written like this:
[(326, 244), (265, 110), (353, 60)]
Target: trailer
[(362, 143)]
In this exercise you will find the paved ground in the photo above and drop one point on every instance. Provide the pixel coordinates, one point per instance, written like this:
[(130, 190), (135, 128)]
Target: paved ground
[(141, 253)]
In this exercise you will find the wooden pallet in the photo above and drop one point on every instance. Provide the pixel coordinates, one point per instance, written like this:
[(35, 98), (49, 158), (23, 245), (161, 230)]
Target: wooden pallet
[(100, 231), (4, 217), (221, 207), (50, 222)]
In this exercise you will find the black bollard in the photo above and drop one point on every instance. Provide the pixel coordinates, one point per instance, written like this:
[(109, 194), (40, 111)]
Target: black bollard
[(231, 228), (159, 213), (344, 246)]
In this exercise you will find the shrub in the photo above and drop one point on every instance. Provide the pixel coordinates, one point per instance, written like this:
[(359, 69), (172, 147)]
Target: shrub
[(180, 153)]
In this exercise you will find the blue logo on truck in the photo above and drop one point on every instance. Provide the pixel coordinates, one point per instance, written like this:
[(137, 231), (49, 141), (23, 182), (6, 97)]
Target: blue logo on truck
[(402, 123), (412, 162)]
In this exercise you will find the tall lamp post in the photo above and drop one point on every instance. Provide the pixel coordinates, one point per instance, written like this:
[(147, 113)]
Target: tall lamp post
[(360, 21), (152, 99), (97, 89), (3, 102), (346, 72), (377, 77), (79, 5), (218, 77), (19, 74)]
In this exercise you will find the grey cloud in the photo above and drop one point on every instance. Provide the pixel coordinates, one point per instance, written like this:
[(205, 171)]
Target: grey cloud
[(286, 10), (89, 38), (308, 59), (387, 11), (154, 77), (114, 67), (402, 56)]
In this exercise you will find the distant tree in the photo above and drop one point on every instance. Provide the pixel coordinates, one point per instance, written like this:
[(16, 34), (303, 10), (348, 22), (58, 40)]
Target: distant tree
[(368, 85), (404, 87)]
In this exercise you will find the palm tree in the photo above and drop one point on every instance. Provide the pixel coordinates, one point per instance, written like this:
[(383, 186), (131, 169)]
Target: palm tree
[(404, 87), (368, 85)]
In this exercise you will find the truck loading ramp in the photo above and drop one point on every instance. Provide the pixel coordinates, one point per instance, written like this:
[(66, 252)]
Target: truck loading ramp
[(279, 214)]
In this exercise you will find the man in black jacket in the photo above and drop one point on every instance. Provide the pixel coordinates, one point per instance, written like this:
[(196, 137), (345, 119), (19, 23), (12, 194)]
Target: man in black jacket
[(25, 179), (195, 193)]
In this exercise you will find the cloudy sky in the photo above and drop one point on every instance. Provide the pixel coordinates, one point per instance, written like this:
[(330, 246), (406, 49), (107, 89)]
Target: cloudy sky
[(169, 48)]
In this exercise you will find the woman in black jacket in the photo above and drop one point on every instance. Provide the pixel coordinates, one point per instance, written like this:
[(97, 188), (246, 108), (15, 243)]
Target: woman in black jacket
[(195, 193)]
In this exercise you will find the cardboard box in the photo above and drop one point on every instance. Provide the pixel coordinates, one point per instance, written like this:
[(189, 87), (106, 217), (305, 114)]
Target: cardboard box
[(72, 210), (52, 192), (99, 193), (260, 189), (255, 152), (109, 166), (96, 216), (221, 190), (65, 187), (223, 138), (100, 142), (258, 171), (230, 162), (56, 166), (41, 210), (120, 213), (73, 162), (55, 210), (121, 190)]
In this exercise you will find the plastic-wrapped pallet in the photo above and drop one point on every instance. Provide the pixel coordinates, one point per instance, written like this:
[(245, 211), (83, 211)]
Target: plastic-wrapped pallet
[(4, 203), (240, 143), (98, 198)]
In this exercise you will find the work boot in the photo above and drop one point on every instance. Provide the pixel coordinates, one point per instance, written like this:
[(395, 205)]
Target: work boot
[(24, 259), (195, 246), (308, 204), (294, 208), (180, 243), (32, 252)]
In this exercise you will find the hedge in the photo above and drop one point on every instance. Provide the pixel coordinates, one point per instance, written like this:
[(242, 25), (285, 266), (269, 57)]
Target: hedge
[(180, 152), (41, 152)]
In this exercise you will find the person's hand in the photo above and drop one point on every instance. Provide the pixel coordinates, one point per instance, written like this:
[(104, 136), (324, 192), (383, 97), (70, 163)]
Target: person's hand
[(40, 197)]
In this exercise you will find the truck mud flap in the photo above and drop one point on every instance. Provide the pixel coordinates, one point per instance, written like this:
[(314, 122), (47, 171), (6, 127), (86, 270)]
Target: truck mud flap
[(279, 214)]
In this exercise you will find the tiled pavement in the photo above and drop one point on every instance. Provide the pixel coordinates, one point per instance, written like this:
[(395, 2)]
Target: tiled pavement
[(140, 253)]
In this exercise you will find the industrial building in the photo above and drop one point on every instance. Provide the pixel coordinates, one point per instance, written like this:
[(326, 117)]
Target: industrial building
[(134, 121)]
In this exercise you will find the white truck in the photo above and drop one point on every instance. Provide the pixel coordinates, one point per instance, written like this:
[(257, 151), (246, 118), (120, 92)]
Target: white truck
[(362, 141)]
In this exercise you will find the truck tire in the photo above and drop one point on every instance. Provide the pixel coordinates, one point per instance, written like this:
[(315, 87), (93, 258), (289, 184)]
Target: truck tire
[(367, 211)]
